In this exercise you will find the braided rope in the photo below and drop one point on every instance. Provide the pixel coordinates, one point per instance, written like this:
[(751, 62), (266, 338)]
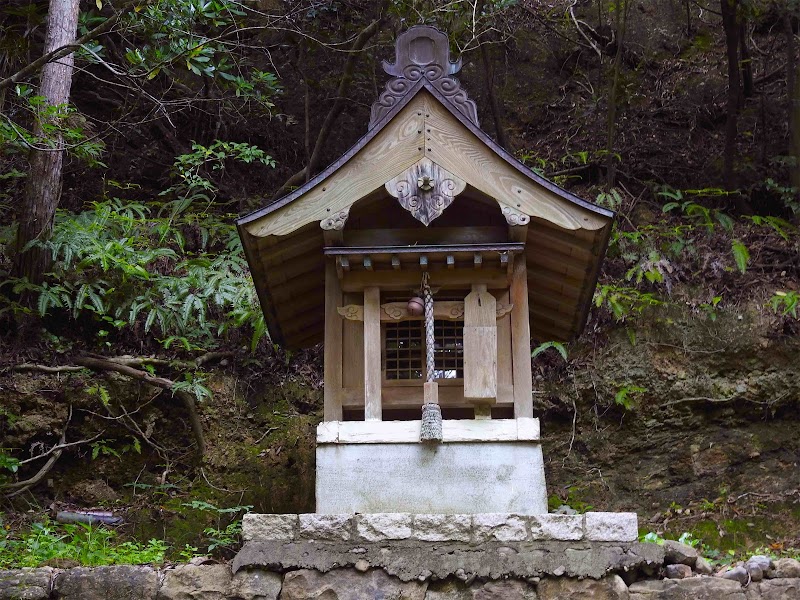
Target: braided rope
[(430, 341), (431, 431)]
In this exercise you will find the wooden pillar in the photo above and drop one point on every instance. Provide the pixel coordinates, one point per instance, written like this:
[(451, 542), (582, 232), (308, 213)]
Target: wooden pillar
[(332, 358), (521, 340), (480, 346), (372, 354)]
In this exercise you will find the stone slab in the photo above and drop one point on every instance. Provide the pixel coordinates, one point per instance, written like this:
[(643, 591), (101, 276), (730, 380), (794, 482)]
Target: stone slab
[(349, 585), (611, 527), (469, 528), (26, 584), (695, 588), (453, 430), (412, 559), (503, 477), (123, 582)]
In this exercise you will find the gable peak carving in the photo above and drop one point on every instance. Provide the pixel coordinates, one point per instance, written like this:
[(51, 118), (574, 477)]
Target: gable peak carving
[(422, 51)]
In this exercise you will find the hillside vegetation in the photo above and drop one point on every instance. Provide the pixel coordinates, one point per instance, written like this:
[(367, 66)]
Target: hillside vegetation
[(136, 372)]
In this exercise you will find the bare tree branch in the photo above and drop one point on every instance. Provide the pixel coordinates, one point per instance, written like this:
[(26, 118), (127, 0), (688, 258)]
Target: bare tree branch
[(338, 105), (61, 52), (102, 364)]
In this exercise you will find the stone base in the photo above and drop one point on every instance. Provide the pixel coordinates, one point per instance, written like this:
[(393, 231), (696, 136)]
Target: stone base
[(492, 465), (412, 546)]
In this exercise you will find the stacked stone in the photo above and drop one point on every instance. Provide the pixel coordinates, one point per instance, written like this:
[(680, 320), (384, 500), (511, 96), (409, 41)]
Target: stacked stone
[(217, 582), (473, 529)]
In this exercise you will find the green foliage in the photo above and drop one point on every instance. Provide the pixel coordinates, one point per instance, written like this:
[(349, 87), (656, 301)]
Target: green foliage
[(698, 213), (785, 303), (741, 255), (624, 302), (628, 395), (611, 199), (194, 170), (8, 462), (781, 226), (558, 346), (221, 537), (90, 546), (111, 266), (61, 126), (193, 384), (788, 194), (186, 37), (711, 309)]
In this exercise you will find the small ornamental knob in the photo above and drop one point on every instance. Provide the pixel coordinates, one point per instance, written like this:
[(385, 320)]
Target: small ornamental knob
[(425, 183)]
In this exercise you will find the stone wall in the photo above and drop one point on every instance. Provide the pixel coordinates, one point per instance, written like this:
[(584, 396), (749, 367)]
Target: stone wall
[(218, 582)]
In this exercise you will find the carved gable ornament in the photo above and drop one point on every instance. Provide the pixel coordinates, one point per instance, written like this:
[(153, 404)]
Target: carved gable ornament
[(425, 189), (423, 52)]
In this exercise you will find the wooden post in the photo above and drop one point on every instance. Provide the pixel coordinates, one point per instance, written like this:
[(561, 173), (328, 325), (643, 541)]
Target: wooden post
[(480, 346), (372, 354), (521, 340), (332, 358)]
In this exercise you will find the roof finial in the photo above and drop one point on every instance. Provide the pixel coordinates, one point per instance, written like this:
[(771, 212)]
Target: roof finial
[(423, 52)]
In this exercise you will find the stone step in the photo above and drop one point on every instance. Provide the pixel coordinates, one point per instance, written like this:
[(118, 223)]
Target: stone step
[(471, 528)]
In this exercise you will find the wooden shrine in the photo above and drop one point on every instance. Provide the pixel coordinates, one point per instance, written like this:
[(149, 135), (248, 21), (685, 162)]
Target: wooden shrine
[(426, 258)]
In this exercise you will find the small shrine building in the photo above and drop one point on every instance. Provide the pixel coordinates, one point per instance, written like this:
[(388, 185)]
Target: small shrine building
[(426, 258)]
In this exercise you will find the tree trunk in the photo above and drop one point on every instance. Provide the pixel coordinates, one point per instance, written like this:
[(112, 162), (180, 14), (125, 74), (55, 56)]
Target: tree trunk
[(43, 189), (611, 126), (793, 94), (731, 27), (502, 139), (745, 60)]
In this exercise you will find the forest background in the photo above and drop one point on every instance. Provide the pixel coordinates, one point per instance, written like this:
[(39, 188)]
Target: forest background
[(136, 372)]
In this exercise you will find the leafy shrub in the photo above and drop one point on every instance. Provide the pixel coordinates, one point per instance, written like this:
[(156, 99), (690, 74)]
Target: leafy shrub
[(88, 545), (128, 269)]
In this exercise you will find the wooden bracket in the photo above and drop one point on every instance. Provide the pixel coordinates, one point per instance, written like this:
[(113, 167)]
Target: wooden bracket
[(446, 310), (513, 215), (336, 221)]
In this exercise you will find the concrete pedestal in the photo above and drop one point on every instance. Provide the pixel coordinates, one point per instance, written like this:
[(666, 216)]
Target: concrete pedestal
[(481, 466)]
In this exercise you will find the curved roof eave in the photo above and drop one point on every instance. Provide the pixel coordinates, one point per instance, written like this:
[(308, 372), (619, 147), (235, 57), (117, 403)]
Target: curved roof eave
[(473, 128)]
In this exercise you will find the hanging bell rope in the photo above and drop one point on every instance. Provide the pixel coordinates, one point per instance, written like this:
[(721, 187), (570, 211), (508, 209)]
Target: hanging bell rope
[(431, 413)]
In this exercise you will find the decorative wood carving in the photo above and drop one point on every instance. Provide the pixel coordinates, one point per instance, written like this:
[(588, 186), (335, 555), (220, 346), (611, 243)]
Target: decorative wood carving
[(425, 190), (513, 215), (336, 221), (423, 51), (352, 312), (449, 310)]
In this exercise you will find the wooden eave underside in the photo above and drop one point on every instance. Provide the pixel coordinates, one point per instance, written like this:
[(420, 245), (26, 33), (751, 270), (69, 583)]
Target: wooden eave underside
[(565, 242)]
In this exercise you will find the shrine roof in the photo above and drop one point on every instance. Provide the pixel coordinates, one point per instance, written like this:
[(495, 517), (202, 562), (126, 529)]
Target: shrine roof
[(424, 115)]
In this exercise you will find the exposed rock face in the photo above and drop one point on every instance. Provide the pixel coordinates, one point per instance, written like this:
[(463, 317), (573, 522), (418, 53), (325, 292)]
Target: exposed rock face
[(107, 583), (190, 582), (696, 588), (678, 571), (342, 584), (739, 574), (608, 588), (677, 553), (774, 589), (25, 584), (493, 590), (785, 568)]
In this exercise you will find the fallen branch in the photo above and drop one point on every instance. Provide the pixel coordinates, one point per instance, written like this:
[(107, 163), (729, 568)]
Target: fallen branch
[(141, 361), (29, 367), (60, 446), (28, 483), (102, 364)]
